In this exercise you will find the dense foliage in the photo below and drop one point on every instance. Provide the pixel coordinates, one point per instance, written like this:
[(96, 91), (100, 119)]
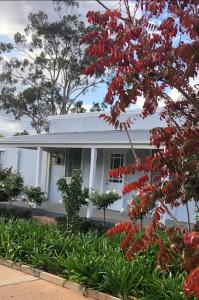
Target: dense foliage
[(11, 185), (20, 133), (89, 259), (74, 196), (102, 201), (41, 71), (151, 50), (34, 195)]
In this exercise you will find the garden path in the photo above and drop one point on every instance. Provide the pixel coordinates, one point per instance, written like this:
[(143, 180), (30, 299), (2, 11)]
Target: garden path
[(16, 285)]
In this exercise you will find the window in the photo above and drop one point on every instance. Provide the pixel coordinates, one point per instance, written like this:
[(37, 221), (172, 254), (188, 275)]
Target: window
[(73, 160), (117, 160)]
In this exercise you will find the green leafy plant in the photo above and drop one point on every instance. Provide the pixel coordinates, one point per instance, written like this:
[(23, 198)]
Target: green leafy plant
[(34, 195), (102, 201), (11, 185), (74, 196), (90, 259)]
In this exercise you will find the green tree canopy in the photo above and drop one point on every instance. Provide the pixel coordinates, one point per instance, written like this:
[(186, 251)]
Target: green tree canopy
[(96, 106), (44, 74), (78, 108), (24, 132)]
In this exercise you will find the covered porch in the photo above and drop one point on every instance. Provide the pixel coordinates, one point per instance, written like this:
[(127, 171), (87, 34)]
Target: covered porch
[(55, 156)]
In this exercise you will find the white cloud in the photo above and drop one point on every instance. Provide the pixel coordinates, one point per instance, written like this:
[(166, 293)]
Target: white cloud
[(8, 124), (9, 127), (14, 14)]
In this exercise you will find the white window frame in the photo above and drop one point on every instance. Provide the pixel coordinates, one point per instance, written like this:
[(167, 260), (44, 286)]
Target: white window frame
[(113, 156)]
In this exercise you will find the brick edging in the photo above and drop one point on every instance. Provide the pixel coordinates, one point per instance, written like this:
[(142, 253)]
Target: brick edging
[(57, 280)]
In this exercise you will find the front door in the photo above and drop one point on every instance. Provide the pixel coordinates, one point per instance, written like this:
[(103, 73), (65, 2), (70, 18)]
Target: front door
[(57, 171), (114, 159)]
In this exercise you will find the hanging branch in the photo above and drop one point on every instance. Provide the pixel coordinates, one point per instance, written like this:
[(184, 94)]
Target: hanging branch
[(131, 144), (137, 159)]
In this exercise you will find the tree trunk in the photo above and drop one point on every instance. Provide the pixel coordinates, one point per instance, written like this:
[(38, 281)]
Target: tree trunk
[(188, 216)]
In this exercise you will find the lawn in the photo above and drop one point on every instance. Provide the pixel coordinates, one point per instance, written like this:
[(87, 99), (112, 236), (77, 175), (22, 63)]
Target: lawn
[(91, 259)]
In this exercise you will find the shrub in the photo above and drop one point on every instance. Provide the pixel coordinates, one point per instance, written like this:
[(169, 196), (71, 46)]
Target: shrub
[(11, 185), (74, 195), (34, 195), (104, 200)]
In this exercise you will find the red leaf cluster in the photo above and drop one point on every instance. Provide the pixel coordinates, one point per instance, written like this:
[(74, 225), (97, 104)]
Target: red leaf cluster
[(148, 60), (191, 239), (191, 285)]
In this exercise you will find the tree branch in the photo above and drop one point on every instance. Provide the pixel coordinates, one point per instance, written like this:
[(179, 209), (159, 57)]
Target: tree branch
[(189, 98), (106, 7), (131, 144)]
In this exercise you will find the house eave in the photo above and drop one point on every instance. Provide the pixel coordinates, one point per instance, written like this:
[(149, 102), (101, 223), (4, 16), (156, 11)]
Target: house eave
[(77, 145)]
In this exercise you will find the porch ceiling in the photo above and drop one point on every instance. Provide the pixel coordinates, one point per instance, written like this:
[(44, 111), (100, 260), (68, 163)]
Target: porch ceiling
[(98, 139)]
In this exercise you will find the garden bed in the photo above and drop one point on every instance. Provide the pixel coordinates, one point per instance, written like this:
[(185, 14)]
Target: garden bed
[(12, 211), (90, 259)]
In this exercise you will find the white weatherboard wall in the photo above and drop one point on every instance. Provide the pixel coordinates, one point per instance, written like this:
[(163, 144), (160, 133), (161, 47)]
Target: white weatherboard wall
[(90, 122), (26, 165), (181, 213)]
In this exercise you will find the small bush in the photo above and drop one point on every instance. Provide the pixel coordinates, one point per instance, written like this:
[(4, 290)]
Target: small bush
[(74, 196), (11, 185), (102, 201), (34, 195)]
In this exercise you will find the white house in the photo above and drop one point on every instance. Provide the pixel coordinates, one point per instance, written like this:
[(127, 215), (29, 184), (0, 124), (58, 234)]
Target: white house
[(81, 141)]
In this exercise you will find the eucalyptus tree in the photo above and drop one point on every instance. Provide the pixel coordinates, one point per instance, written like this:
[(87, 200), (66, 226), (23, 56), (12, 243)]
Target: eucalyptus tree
[(41, 71)]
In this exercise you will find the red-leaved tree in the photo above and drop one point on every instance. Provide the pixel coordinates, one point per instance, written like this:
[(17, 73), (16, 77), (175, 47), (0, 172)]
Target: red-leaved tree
[(149, 50)]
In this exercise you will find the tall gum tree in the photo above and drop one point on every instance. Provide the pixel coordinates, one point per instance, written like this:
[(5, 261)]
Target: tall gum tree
[(149, 57), (44, 74)]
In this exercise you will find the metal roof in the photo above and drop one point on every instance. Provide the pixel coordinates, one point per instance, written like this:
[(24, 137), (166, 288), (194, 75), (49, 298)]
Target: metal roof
[(99, 139)]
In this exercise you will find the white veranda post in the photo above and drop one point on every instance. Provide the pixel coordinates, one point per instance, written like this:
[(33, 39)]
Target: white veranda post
[(38, 166), (18, 152), (92, 180)]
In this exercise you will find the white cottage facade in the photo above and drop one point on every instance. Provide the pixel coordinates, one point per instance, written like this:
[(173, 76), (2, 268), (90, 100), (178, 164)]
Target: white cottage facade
[(84, 142)]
